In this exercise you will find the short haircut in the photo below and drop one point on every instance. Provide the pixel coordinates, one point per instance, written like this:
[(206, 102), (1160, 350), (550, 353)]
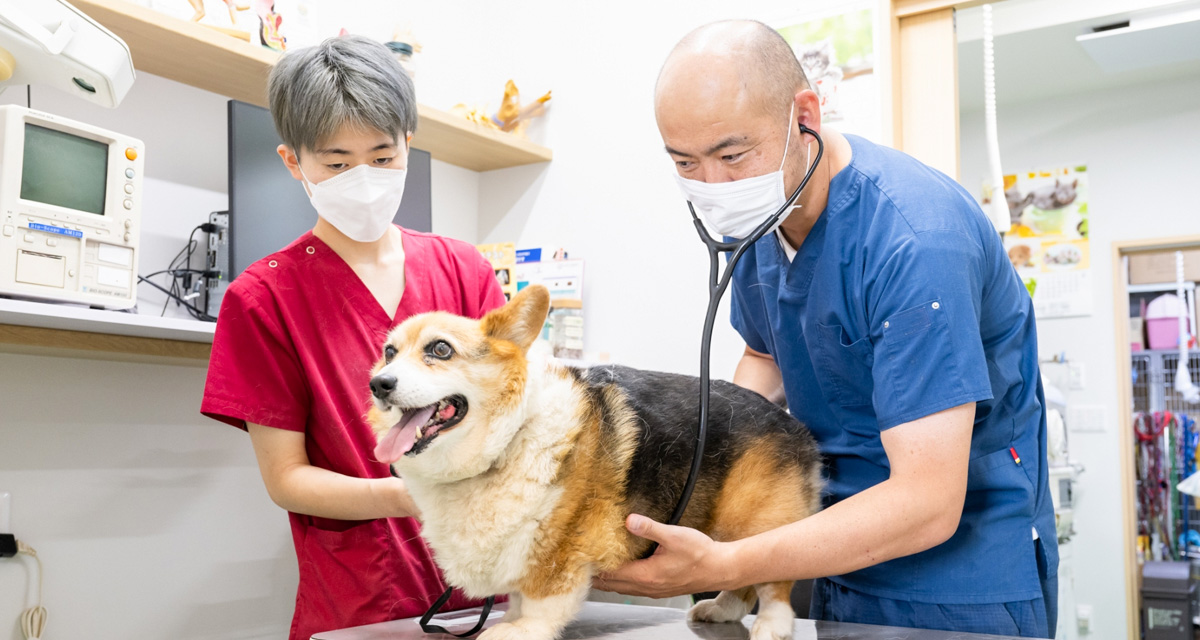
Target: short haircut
[(773, 72), (348, 80)]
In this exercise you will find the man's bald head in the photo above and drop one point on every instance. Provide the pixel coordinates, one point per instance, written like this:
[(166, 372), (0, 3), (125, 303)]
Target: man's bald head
[(749, 51)]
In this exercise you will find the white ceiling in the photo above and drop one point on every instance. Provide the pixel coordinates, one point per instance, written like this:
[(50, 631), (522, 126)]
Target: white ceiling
[(1046, 62)]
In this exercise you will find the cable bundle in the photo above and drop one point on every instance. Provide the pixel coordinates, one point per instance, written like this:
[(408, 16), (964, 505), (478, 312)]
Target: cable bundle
[(33, 620), (182, 276)]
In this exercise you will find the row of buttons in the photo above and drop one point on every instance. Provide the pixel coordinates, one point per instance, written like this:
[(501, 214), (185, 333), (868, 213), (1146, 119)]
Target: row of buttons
[(30, 238), (130, 153)]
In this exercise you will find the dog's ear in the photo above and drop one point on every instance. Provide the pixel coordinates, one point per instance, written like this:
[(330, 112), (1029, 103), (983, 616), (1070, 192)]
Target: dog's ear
[(520, 321)]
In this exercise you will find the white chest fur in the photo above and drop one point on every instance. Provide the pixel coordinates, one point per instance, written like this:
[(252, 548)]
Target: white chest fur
[(483, 529)]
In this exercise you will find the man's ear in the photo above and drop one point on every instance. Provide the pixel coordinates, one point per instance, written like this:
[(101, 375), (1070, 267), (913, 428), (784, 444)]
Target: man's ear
[(520, 321)]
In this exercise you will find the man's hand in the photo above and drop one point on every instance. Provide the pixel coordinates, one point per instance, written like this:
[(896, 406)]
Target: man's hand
[(686, 562)]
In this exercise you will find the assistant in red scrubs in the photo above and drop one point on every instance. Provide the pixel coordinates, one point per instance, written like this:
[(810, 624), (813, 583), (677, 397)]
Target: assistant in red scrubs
[(297, 337), (299, 331)]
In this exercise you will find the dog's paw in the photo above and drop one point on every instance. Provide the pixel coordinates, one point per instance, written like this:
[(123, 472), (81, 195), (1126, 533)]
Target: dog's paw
[(712, 611), (516, 631), (503, 631), (771, 627)]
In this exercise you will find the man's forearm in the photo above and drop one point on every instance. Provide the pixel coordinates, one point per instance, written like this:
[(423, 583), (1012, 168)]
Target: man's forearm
[(887, 521), (760, 374)]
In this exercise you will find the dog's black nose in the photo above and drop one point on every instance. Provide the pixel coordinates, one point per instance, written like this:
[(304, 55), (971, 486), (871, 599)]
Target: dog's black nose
[(382, 385)]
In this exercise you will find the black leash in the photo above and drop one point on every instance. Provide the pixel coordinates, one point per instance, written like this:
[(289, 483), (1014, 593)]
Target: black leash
[(441, 602)]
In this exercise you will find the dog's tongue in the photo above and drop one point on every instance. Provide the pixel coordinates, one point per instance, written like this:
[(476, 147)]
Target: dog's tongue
[(400, 439)]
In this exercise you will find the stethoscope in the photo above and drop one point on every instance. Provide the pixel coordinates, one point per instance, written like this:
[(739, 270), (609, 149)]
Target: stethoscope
[(718, 282)]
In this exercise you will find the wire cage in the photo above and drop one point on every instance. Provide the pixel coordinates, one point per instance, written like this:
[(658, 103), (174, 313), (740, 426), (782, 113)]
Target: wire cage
[(1168, 521), (1142, 384)]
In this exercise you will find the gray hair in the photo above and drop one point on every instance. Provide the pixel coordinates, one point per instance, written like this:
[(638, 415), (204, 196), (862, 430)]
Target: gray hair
[(352, 80)]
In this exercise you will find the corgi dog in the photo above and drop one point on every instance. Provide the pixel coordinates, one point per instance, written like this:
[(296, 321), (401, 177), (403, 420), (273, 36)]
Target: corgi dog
[(525, 470)]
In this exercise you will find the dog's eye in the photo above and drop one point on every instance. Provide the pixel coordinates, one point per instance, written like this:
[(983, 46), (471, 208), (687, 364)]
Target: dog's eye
[(389, 352), (440, 349)]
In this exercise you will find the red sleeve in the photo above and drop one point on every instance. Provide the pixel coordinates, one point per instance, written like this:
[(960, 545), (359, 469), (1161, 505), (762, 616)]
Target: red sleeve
[(491, 296), (254, 374)]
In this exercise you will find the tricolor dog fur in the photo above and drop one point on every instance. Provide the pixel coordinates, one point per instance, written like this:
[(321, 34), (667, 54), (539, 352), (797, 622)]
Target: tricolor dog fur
[(525, 470)]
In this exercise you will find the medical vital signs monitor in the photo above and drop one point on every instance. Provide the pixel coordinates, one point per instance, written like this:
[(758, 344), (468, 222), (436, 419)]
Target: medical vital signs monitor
[(70, 210)]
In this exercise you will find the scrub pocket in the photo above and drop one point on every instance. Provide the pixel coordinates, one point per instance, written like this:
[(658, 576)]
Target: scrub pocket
[(340, 574), (920, 354), (845, 367)]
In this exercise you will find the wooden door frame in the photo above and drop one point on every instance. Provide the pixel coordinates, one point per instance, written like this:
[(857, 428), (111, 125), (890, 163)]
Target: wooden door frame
[(924, 82), (1122, 249)]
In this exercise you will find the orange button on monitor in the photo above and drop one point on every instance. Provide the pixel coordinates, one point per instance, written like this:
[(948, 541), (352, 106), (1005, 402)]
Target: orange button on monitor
[(131, 153)]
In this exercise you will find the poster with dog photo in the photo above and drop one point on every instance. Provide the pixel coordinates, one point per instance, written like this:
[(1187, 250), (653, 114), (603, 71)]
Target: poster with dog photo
[(839, 52), (1048, 240)]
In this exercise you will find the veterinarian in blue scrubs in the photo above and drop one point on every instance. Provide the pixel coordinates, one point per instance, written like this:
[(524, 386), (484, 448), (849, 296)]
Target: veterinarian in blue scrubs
[(886, 312)]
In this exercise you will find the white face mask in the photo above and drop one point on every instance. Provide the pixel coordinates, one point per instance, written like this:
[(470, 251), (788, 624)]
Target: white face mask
[(735, 209), (360, 202)]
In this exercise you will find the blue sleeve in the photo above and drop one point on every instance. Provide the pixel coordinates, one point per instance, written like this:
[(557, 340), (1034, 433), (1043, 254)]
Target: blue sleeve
[(924, 305), (743, 318)]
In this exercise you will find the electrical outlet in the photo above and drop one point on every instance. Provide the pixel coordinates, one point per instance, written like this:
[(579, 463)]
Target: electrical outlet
[(1086, 418), (1083, 618), (5, 512), (1075, 375)]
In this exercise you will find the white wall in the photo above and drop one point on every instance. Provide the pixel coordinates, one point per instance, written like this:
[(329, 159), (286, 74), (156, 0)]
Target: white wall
[(608, 196), (151, 521), (1140, 145)]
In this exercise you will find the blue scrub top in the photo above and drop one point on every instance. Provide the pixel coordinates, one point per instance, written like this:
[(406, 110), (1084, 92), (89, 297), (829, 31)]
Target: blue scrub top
[(902, 303)]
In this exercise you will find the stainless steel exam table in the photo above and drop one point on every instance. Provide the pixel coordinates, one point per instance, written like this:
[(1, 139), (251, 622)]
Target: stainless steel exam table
[(629, 622)]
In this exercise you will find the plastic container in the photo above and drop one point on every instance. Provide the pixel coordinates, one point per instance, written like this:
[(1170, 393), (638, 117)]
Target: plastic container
[(403, 52), (1162, 321), (566, 329)]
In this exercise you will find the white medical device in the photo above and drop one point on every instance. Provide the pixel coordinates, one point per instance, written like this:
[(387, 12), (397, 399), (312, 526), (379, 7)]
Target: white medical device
[(50, 42), (70, 210)]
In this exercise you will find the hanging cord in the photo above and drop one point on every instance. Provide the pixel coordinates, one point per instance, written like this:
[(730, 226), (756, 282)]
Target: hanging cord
[(33, 620), (997, 209)]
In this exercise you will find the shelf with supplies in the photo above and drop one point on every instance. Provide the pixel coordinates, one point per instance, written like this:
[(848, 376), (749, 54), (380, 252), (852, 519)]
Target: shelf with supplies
[(196, 55), (65, 330)]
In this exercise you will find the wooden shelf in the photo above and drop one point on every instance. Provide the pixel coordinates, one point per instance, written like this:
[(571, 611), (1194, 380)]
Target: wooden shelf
[(196, 55), (53, 329)]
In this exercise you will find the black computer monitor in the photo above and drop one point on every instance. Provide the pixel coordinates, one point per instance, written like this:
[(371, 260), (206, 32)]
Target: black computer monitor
[(268, 208)]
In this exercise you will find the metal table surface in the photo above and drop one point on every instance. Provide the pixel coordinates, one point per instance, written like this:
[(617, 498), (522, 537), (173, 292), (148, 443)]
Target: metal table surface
[(604, 620)]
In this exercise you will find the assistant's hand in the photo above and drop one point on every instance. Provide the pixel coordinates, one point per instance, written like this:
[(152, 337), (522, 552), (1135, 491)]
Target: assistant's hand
[(394, 499), (686, 562)]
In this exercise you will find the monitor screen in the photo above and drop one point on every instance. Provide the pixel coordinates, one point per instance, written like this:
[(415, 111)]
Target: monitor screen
[(268, 208), (64, 170)]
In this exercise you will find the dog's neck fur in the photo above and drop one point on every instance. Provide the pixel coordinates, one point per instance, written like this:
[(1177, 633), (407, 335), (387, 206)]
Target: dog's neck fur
[(481, 528)]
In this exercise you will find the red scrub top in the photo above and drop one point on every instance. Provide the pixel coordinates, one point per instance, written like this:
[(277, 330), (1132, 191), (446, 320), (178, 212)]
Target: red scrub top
[(297, 337)]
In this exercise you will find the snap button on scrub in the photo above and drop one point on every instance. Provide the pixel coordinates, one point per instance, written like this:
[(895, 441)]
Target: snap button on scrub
[(310, 250), (272, 264), (886, 324), (937, 305)]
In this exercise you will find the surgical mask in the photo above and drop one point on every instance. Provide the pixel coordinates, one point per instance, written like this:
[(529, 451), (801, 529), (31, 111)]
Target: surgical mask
[(360, 202), (735, 209)]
